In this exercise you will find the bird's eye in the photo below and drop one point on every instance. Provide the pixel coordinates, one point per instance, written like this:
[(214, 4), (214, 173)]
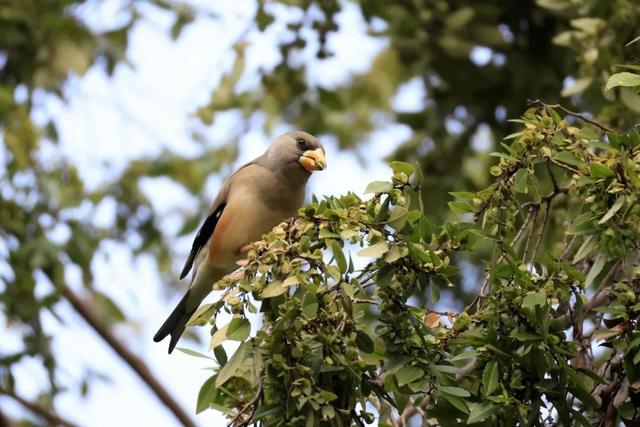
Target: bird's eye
[(302, 144)]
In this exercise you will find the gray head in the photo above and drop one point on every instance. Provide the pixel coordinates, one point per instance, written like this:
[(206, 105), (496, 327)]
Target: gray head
[(297, 153)]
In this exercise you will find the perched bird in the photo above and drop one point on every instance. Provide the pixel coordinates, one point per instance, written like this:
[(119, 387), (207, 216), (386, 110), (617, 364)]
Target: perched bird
[(257, 197)]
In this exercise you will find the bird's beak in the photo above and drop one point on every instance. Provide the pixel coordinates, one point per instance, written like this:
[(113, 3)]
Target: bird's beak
[(313, 160)]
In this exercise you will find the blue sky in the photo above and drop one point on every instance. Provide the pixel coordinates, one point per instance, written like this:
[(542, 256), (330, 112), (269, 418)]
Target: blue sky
[(107, 122)]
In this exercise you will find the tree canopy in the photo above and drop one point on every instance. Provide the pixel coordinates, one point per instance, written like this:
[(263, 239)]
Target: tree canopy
[(514, 198)]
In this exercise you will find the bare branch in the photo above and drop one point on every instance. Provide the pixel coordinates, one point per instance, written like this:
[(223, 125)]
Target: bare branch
[(5, 421), (571, 113), (598, 298), (44, 413), (134, 362)]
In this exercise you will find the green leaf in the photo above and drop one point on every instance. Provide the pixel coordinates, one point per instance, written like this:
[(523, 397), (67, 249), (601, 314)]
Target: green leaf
[(533, 299), (456, 402), (612, 211), (202, 315), (454, 391), (464, 356), (625, 79), (273, 289), (585, 249), (378, 187), (408, 374), (327, 395), (206, 395), (384, 210), (398, 218), (235, 363), (333, 272), (524, 335), (218, 337), (459, 207), (396, 253), (402, 167), (364, 342), (435, 292), (481, 411), (328, 412), (583, 224), (290, 281), (326, 233), (490, 378), (462, 194), (599, 170), (578, 86), (338, 255), (193, 353), (310, 305), (238, 329), (376, 250), (446, 369), (425, 228), (567, 157), (221, 355), (595, 269), (520, 181), (555, 5)]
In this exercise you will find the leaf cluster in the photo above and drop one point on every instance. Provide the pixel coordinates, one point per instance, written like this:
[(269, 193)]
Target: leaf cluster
[(340, 345)]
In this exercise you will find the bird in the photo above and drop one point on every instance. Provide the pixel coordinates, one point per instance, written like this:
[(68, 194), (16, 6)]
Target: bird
[(258, 196)]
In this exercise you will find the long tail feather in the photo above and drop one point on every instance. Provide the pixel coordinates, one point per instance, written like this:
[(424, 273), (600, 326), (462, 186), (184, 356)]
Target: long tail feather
[(175, 323)]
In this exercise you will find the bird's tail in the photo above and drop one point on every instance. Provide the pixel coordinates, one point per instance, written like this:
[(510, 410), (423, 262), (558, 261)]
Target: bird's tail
[(200, 287), (175, 323)]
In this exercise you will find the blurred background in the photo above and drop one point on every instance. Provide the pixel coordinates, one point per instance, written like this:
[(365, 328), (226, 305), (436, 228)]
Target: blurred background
[(120, 119)]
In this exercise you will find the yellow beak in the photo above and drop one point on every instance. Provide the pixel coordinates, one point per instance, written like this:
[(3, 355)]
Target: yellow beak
[(313, 160)]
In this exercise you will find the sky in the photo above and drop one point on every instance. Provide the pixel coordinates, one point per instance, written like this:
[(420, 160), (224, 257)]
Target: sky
[(106, 122)]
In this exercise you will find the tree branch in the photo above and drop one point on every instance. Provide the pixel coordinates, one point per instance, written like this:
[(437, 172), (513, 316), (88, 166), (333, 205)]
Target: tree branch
[(571, 113), (134, 362), (44, 413), (5, 421), (598, 298)]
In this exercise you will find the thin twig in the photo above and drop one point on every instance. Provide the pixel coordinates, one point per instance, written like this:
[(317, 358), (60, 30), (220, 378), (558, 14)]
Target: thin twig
[(556, 188), (44, 413), (484, 288), (545, 220), (562, 165), (598, 298), (364, 301), (529, 235), (571, 113)]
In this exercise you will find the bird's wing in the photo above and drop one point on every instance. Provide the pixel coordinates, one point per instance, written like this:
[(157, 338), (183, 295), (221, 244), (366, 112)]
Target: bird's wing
[(209, 225)]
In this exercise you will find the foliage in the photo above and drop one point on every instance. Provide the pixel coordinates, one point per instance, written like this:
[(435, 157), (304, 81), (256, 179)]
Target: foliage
[(559, 254), (476, 62), (43, 197), (552, 338)]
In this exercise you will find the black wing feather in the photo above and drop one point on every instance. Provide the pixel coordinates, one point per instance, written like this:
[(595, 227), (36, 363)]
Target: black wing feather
[(205, 232)]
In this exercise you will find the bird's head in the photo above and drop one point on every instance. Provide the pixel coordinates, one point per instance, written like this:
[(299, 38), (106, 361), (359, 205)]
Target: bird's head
[(298, 148)]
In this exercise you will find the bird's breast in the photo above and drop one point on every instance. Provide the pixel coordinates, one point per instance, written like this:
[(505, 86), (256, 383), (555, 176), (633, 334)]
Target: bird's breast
[(244, 220)]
